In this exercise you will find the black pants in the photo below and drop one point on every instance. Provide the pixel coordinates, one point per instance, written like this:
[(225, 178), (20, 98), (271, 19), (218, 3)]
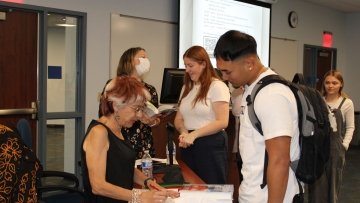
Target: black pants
[(208, 158)]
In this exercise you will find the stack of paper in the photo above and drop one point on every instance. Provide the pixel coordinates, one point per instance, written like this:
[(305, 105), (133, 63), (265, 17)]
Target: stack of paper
[(204, 193)]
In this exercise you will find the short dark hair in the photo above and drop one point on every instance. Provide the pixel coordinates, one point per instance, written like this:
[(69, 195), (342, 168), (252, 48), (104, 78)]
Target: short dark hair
[(234, 44)]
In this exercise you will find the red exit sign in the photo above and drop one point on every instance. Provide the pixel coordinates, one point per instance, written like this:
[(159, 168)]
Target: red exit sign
[(327, 39)]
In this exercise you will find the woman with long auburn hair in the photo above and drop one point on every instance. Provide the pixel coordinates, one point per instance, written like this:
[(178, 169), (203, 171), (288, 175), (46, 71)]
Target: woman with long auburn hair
[(202, 117)]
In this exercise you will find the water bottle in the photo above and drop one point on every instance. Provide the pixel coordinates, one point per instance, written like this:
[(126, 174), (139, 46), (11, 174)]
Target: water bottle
[(173, 154), (146, 164)]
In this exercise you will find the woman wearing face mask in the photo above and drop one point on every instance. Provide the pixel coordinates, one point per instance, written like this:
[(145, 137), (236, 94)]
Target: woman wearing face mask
[(134, 62)]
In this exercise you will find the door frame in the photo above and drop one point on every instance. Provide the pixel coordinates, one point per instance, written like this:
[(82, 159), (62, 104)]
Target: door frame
[(311, 61), (43, 115)]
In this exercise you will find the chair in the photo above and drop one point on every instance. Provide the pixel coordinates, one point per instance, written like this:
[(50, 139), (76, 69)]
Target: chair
[(24, 129), (19, 168), (53, 186), (59, 186)]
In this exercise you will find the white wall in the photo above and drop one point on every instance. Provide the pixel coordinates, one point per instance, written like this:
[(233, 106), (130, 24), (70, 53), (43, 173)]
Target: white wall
[(158, 38), (286, 63), (313, 20), (56, 57), (352, 66), (98, 34)]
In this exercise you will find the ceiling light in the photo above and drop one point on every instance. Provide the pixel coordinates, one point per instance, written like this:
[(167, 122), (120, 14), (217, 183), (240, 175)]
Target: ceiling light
[(65, 25), (68, 22)]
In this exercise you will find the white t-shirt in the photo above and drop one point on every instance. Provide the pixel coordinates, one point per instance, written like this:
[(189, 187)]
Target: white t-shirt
[(236, 109), (202, 114), (275, 106)]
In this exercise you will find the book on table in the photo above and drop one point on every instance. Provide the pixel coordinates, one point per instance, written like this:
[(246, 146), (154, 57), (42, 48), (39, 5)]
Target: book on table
[(203, 193)]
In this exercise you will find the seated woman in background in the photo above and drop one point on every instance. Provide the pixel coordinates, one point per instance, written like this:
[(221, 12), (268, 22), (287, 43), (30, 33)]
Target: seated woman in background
[(108, 160), (202, 117)]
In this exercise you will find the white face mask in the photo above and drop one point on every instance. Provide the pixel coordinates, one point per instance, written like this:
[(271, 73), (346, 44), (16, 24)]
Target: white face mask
[(143, 67)]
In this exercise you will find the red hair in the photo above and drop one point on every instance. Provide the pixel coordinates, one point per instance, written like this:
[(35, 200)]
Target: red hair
[(122, 90), (199, 54)]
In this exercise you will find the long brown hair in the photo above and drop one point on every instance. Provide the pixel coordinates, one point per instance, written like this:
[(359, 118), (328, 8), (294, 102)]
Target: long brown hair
[(126, 62), (338, 76), (199, 54)]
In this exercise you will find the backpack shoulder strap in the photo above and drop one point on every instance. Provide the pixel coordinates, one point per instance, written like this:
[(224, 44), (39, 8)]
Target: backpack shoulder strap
[(251, 98), (342, 102), (253, 117)]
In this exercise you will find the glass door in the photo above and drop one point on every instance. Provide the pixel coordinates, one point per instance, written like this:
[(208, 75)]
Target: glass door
[(65, 106), (44, 49)]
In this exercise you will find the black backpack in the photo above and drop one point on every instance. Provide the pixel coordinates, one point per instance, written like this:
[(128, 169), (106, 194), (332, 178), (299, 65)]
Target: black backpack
[(314, 127)]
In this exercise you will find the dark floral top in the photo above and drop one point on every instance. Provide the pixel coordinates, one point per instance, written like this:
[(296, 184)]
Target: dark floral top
[(140, 135)]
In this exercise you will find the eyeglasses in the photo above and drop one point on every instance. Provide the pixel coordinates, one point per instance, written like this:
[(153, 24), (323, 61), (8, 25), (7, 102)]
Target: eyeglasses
[(137, 109)]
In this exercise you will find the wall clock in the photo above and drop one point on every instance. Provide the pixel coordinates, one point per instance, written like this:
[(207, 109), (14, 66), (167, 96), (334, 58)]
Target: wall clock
[(293, 19)]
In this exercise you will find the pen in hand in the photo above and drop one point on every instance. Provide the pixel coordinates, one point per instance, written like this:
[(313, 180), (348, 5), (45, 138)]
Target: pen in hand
[(169, 193), (153, 187)]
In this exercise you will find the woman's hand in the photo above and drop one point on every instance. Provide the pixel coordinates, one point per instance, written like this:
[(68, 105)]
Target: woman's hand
[(237, 91), (172, 193), (155, 120), (154, 186), (151, 121), (158, 195), (182, 140), (187, 139), (153, 196)]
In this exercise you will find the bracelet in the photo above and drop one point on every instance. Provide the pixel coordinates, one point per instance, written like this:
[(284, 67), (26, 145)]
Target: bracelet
[(146, 182), (135, 195)]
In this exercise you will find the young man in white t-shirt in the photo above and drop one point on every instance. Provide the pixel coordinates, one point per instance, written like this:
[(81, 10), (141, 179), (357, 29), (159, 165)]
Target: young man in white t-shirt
[(275, 106)]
